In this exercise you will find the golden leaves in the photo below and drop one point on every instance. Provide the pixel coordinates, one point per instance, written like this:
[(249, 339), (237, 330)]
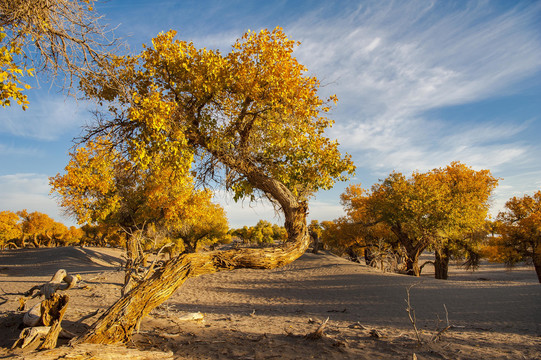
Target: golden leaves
[(11, 73), (520, 225), (441, 202), (252, 108)]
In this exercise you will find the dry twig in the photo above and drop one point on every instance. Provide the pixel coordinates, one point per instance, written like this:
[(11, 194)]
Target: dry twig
[(411, 314), (318, 334)]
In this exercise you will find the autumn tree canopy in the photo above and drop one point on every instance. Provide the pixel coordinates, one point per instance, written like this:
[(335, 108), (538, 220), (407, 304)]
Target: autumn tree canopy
[(10, 228), (253, 113), (520, 230), (209, 228), (101, 186), (35, 225), (427, 209), (262, 233)]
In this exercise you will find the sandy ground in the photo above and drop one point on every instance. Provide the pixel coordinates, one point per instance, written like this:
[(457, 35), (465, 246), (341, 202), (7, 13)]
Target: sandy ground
[(495, 313)]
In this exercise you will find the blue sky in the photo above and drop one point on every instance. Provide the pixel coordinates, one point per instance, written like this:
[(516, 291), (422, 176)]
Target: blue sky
[(420, 84)]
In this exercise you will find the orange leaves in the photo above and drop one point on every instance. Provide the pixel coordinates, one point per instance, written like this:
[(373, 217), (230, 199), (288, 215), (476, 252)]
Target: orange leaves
[(265, 69), (102, 185), (520, 229), (427, 207), (450, 199)]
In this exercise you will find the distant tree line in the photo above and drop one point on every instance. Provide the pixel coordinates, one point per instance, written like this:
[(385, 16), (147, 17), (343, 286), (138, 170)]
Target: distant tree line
[(23, 229), (262, 233)]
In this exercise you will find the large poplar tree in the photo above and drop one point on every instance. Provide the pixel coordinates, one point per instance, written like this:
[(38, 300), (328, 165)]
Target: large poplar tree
[(250, 120)]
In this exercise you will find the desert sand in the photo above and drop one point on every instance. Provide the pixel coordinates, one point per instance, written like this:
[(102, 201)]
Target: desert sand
[(494, 313)]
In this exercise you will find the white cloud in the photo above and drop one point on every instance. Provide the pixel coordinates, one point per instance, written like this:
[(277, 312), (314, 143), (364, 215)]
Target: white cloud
[(390, 64), (324, 210), (29, 191)]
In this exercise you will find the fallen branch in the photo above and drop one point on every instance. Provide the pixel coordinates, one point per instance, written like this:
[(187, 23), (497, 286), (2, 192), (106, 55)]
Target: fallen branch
[(53, 313), (60, 281), (96, 352), (195, 316), (30, 335), (44, 321)]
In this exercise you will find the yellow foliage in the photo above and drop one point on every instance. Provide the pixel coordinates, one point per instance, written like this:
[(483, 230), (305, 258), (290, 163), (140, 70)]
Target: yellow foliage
[(520, 228), (254, 110), (11, 72), (100, 184), (428, 209), (9, 227)]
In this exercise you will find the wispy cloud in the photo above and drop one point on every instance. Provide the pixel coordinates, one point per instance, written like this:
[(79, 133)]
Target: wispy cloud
[(49, 117), (29, 191), (392, 63), (10, 150)]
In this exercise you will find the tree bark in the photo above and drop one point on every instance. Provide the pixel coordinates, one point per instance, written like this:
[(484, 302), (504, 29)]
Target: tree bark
[(53, 310), (118, 323), (441, 263), (316, 244), (412, 264), (536, 257), (35, 241), (412, 257), (23, 241), (414, 248)]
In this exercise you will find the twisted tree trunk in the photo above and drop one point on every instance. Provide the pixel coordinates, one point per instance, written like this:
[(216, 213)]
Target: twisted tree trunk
[(118, 323)]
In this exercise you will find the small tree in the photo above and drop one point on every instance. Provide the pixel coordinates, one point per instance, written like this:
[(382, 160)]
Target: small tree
[(208, 229), (434, 209), (10, 228), (520, 229), (73, 236), (464, 205), (35, 225), (360, 229), (315, 231), (55, 234), (102, 185)]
